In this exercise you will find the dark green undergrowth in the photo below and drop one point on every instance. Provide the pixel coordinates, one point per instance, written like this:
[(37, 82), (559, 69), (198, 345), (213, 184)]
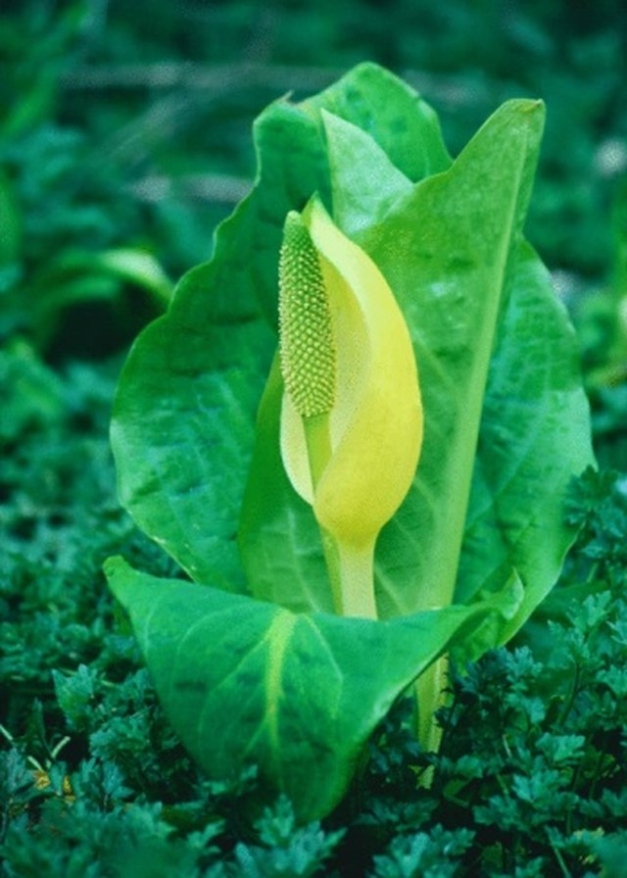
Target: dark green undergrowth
[(530, 780), (117, 136)]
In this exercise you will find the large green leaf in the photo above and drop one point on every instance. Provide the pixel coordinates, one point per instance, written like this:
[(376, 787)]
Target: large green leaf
[(183, 422), (246, 682), (499, 380), (535, 435)]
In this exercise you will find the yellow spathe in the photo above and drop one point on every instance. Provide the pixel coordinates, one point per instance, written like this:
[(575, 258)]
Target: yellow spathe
[(355, 463)]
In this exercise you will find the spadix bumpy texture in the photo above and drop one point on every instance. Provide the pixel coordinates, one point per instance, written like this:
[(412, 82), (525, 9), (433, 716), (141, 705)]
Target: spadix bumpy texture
[(307, 343), (351, 421)]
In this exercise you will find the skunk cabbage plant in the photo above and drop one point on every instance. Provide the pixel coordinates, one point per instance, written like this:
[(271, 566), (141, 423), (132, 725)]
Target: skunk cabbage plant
[(353, 430)]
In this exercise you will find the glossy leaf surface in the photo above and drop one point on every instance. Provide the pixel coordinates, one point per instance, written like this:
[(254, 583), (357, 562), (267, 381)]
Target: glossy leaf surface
[(245, 682)]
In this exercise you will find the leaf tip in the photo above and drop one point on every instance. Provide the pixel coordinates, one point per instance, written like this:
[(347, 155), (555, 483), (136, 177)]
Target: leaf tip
[(114, 569)]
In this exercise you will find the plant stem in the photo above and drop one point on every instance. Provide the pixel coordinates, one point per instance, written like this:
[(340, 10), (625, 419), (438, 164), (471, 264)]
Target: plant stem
[(351, 573), (429, 690), (357, 580)]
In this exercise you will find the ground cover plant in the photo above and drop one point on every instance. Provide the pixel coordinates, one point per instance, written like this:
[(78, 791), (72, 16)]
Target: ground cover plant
[(530, 773), (529, 776)]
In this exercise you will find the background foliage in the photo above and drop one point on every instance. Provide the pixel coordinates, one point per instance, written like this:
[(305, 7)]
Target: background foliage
[(124, 139)]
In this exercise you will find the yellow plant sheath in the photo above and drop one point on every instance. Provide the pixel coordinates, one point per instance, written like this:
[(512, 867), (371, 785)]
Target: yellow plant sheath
[(356, 477)]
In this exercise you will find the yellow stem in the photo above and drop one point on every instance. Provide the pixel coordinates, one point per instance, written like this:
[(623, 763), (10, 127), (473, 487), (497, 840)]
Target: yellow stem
[(357, 580), (351, 573)]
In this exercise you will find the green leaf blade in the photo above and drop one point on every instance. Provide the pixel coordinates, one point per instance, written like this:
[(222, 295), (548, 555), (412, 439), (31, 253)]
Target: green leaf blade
[(403, 125), (246, 682), (535, 437), (179, 435), (462, 378)]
